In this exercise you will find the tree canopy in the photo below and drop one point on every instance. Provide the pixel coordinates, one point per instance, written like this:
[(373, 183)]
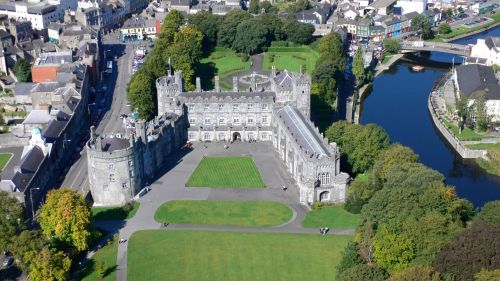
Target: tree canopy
[(208, 24), (12, 220), (49, 265), (24, 244), (251, 37), (65, 217), (228, 27), (141, 93), (444, 28), (417, 273), (22, 70), (391, 158), (421, 23), (490, 212), (298, 32), (358, 67), (350, 258), (363, 272), (391, 46)]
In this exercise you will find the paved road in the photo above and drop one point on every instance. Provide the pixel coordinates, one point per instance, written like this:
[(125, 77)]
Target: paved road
[(170, 186), (111, 103)]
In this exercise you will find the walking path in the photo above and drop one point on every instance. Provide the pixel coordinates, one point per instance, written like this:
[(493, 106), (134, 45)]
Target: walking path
[(171, 187)]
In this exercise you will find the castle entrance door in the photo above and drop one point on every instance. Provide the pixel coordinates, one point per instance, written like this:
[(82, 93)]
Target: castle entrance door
[(236, 136)]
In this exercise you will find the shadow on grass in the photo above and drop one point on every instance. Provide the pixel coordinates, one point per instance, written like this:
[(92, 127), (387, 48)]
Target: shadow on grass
[(206, 71)]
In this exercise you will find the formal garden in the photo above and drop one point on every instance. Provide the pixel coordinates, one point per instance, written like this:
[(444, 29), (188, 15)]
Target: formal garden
[(217, 255), (226, 172), (295, 59), (216, 212)]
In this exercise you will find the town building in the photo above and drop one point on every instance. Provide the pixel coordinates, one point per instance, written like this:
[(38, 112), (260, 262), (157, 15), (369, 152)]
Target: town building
[(276, 111), (486, 49), (140, 28), (39, 13), (409, 6)]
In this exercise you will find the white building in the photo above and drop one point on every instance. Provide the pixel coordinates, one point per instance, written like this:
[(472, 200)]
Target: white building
[(488, 50), (408, 6), (39, 14)]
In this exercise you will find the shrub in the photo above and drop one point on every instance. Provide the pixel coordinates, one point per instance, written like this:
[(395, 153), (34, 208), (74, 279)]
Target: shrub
[(245, 57)]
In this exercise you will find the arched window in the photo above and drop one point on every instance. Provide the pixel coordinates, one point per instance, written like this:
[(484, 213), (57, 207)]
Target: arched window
[(327, 178)]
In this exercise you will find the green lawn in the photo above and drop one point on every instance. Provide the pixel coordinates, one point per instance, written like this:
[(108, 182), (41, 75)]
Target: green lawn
[(214, 255), (117, 213), (492, 165), (4, 159), (331, 217), (467, 134), (236, 213), (224, 62), (107, 254), (226, 172), (290, 58)]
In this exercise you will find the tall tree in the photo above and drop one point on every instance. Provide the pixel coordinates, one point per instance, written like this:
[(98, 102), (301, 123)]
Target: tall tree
[(490, 212), (141, 93), (394, 156), (350, 258), (412, 175), (208, 24), (65, 217), (251, 37), (186, 53), (24, 244), (421, 23), (393, 252), (363, 272), (254, 7), (227, 29), (12, 220), (391, 46), (358, 67), (330, 49), (49, 265), (325, 85), (22, 70), (274, 25), (297, 32), (444, 28), (417, 273)]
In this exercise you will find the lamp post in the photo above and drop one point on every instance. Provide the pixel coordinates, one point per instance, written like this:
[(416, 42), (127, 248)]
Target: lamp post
[(32, 205)]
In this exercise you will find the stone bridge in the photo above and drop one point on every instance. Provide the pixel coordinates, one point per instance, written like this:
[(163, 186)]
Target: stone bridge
[(449, 48)]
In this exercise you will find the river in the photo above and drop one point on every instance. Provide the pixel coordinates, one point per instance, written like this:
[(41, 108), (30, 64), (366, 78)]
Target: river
[(398, 103)]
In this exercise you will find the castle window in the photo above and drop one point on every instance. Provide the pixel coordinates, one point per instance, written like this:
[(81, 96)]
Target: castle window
[(207, 121), (206, 106), (124, 185), (192, 121), (111, 166), (222, 121), (191, 136), (191, 107), (264, 136), (250, 121), (264, 119), (206, 136), (112, 178), (236, 107), (105, 187), (236, 121), (221, 106), (264, 106), (250, 106)]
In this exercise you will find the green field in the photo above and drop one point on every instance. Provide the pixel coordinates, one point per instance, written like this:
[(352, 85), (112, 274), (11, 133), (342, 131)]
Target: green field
[(290, 58), (224, 62), (117, 213), (226, 172), (213, 255), (331, 217), (236, 213), (107, 254), (4, 159), (492, 165), (467, 133)]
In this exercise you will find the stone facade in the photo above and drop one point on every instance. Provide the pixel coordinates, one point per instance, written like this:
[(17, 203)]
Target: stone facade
[(120, 166)]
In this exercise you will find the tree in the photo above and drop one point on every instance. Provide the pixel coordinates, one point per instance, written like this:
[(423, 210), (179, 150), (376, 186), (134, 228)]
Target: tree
[(490, 212), (358, 67), (421, 23), (417, 273), (412, 175), (471, 251), (12, 220), (391, 158), (482, 118), (22, 70), (227, 29), (208, 24), (254, 7), (268, 7), (325, 85), (444, 28), (330, 49), (251, 37), (297, 6), (173, 20), (100, 268), (65, 217), (363, 272), (298, 32), (141, 93), (186, 53), (391, 46), (49, 265), (274, 25), (350, 258), (25, 243), (486, 275), (393, 252)]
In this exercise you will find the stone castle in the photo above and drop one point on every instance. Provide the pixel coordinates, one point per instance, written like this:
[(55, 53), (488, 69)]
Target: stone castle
[(275, 109)]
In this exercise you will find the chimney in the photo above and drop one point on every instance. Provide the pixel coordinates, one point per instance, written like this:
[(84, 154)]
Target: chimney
[(217, 86), (98, 143), (92, 133), (198, 84), (273, 71), (235, 84)]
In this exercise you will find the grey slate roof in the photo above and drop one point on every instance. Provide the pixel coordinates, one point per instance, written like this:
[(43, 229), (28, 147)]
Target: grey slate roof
[(53, 130), (23, 88), (474, 78), (222, 95), (32, 160), (112, 144), (305, 136), (492, 42)]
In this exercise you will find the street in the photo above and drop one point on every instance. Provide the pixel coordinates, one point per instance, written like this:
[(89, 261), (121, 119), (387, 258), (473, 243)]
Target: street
[(112, 102)]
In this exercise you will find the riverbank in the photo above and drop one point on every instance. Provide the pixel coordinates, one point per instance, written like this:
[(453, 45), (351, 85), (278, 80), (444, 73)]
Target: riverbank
[(472, 33)]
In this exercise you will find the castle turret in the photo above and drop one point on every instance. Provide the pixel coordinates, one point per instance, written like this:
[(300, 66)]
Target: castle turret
[(301, 86), (168, 89)]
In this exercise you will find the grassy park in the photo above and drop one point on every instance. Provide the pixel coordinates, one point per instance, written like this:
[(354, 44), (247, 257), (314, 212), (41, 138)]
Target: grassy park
[(492, 165), (331, 217), (290, 58), (215, 255), (235, 213), (4, 159), (467, 133), (115, 213), (226, 172), (225, 62), (106, 254)]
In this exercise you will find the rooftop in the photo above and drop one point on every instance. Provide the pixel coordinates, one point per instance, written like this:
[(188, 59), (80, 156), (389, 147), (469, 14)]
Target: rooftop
[(111, 144), (474, 79), (382, 3), (223, 95), (57, 58)]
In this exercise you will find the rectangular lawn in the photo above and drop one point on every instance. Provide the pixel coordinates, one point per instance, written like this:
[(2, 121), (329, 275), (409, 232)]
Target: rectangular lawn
[(4, 159), (226, 172), (213, 255), (290, 58), (331, 217), (225, 62)]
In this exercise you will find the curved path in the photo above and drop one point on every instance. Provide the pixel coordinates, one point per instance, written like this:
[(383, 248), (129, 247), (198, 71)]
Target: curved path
[(171, 187)]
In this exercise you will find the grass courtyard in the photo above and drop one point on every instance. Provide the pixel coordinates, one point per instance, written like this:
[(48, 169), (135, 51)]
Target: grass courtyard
[(115, 213), (106, 254), (290, 58), (467, 133), (4, 159), (226, 172), (331, 217), (214, 212), (225, 62), (213, 255)]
